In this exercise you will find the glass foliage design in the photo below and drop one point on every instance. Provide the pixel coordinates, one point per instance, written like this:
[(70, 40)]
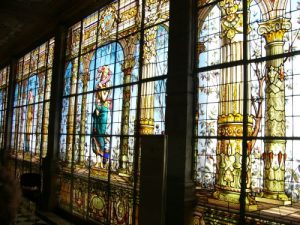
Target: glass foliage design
[(4, 82), (272, 164), (114, 90), (30, 117)]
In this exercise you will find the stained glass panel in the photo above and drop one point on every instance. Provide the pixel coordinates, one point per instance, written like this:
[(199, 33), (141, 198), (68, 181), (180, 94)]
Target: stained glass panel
[(151, 14), (30, 117), (258, 78), (98, 202), (115, 73), (4, 81), (121, 208), (89, 33), (129, 16), (64, 196), (73, 40)]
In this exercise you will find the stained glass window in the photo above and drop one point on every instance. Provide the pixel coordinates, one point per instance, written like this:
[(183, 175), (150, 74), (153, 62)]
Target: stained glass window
[(30, 118), (247, 102), (114, 90), (4, 79)]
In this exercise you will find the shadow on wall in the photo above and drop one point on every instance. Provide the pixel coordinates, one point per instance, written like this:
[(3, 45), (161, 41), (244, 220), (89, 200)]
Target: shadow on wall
[(10, 196)]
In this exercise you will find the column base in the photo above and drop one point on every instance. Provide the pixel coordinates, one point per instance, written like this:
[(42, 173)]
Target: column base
[(100, 166), (146, 129), (80, 165), (67, 167), (67, 164), (230, 199), (124, 173), (222, 203), (123, 170), (274, 198)]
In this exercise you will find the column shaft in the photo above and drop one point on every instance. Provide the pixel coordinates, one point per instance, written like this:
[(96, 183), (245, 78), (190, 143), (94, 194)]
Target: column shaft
[(71, 115), (274, 150), (147, 92), (127, 68), (231, 111)]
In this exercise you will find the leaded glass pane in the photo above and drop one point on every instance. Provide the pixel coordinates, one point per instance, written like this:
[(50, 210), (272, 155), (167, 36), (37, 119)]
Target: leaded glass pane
[(30, 116), (114, 89), (270, 104), (4, 82)]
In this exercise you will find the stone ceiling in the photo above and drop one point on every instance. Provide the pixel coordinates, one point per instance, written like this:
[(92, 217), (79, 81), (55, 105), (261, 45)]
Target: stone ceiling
[(25, 23)]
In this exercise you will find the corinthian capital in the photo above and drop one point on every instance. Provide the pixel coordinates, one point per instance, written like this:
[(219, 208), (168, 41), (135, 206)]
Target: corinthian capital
[(128, 65), (274, 30), (85, 77)]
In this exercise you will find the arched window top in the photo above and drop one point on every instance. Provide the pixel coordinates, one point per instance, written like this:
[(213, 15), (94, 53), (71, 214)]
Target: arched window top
[(217, 30), (270, 9), (108, 59)]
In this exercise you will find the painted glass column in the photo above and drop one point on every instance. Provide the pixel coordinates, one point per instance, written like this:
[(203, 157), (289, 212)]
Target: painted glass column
[(71, 114), (127, 68), (147, 98), (85, 77), (230, 117), (274, 151), (22, 120), (39, 113), (46, 116)]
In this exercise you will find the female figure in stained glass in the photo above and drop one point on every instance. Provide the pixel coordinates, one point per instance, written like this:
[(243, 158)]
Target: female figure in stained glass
[(100, 115), (29, 120)]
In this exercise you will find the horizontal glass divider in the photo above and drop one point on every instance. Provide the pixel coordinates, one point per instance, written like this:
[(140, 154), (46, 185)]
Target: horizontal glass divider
[(249, 138), (246, 61), (107, 135), (143, 81)]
